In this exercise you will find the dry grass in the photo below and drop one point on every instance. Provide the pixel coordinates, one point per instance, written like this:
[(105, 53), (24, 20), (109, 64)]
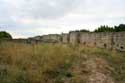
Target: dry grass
[(58, 63)]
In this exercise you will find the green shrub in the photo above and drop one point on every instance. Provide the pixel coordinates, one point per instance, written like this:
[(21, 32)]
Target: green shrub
[(5, 35)]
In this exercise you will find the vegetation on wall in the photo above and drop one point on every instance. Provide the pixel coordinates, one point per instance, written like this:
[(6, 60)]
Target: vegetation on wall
[(5, 35)]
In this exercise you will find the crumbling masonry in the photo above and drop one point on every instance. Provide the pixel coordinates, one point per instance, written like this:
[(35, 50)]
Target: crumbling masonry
[(109, 40)]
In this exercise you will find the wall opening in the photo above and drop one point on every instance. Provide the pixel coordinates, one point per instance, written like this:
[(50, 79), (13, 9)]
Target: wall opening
[(105, 45), (95, 43), (121, 47), (84, 43)]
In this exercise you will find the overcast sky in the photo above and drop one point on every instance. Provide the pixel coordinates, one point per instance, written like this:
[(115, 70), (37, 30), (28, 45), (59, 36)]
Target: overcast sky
[(26, 18)]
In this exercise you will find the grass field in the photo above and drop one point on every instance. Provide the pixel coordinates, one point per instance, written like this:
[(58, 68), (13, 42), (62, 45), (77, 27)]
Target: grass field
[(59, 63)]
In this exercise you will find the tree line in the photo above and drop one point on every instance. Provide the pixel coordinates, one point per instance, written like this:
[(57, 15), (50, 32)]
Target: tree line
[(106, 28)]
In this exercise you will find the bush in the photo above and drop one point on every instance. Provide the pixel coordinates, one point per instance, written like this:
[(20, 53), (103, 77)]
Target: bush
[(4, 35)]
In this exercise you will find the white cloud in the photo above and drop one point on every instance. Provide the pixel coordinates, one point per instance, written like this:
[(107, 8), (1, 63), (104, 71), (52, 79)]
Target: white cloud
[(25, 18)]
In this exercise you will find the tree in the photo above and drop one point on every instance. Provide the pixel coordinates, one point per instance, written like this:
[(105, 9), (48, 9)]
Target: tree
[(5, 35), (120, 28), (104, 28), (84, 30)]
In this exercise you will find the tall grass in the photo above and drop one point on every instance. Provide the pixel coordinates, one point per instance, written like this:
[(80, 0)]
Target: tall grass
[(33, 63), (50, 63)]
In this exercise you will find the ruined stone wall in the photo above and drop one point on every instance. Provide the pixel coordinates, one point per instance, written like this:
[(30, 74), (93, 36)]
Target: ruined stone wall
[(101, 40), (108, 40), (119, 41), (51, 38), (65, 38), (74, 37), (88, 39), (104, 40), (26, 41)]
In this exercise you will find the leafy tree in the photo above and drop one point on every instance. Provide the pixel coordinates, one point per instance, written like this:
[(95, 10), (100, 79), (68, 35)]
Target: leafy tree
[(104, 28), (5, 35), (120, 28), (84, 30)]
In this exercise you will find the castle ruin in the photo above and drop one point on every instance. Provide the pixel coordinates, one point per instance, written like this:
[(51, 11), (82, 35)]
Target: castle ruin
[(109, 40)]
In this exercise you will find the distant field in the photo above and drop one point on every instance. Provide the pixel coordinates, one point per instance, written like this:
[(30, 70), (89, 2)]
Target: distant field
[(59, 63)]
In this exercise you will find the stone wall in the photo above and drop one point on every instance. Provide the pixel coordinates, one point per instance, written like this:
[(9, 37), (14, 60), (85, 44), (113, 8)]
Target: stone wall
[(119, 41), (114, 40), (74, 37), (104, 40), (108, 40), (87, 39), (65, 38), (51, 38), (26, 41)]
